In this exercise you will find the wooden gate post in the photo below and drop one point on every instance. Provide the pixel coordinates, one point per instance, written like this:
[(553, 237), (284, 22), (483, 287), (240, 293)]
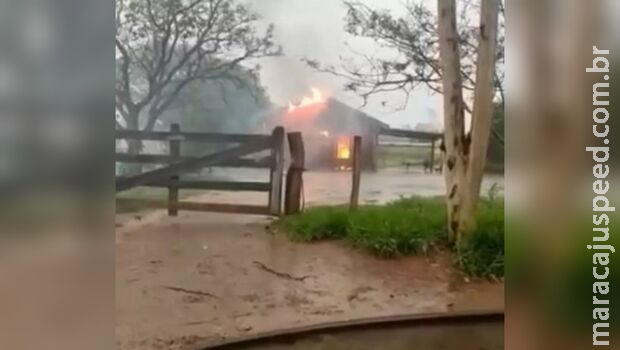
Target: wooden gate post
[(294, 176), (356, 171), (432, 160), (175, 152), (276, 172)]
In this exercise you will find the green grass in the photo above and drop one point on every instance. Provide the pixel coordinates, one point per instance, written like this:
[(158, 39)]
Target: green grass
[(409, 226), (481, 253), (318, 223), (403, 227)]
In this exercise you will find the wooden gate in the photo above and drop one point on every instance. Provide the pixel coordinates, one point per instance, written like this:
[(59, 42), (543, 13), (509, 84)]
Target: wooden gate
[(234, 156)]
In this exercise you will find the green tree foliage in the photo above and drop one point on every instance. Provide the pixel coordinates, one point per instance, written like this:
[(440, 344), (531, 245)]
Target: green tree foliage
[(227, 106), (164, 46)]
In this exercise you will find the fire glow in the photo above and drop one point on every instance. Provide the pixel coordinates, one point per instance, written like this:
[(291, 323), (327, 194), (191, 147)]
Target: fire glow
[(316, 98), (343, 148)]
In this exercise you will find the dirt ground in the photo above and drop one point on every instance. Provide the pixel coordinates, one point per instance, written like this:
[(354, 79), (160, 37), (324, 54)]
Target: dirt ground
[(204, 276)]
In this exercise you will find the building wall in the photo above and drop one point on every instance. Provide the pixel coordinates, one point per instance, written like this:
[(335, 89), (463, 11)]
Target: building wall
[(321, 152)]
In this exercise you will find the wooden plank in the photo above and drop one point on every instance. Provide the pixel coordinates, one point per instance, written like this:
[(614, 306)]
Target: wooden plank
[(294, 176), (197, 206), (412, 134), (190, 136), (432, 157), (264, 162), (356, 171), (173, 191), (213, 185), (148, 158), (213, 159), (277, 171)]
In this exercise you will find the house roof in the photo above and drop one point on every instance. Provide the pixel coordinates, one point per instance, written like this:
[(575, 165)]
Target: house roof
[(333, 116)]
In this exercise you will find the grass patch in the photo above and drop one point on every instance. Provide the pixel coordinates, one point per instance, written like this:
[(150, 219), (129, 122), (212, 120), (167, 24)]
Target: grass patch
[(404, 227), (481, 253), (408, 226), (318, 223)]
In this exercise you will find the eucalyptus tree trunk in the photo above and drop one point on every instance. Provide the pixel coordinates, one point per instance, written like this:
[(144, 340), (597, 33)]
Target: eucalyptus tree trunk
[(454, 115), (465, 156)]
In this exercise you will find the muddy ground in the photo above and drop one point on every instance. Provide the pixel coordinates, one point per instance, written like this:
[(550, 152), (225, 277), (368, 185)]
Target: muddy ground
[(202, 276)]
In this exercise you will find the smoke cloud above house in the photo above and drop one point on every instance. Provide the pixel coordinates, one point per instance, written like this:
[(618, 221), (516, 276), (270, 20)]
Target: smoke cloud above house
[(315, 30)]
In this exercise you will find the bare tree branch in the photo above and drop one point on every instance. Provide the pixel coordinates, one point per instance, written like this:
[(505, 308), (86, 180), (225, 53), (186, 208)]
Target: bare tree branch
[(411, 41), (166, 45)]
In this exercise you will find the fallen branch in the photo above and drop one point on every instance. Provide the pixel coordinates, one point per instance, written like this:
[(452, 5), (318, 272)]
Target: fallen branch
[(280, 274), (189, 291)]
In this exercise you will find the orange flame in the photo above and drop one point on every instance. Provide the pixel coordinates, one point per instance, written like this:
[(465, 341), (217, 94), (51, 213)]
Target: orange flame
[(316, 98), (343, 148)]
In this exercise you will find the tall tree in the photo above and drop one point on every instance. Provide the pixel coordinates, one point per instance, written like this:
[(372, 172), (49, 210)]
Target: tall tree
[(411, 41), (427, 48), (165, 45), (465, 155)]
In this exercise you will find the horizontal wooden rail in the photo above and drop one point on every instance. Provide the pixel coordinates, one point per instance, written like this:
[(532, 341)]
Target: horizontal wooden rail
[(247, 163), (197, 206), (213, 185), (264, 162), (412, 134), (189, 136), (213, 159), (149, 158)]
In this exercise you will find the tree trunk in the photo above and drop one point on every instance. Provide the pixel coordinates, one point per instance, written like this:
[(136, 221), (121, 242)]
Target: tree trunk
[(482, 116), (454, 116), (465, 157)]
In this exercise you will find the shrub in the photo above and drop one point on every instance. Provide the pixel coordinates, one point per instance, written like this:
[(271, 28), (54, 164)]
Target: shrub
[(318, 223), (404, 227), (408, 226), (481, 253)]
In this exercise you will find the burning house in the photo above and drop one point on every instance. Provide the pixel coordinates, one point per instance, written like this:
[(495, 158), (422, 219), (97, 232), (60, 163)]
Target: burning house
[(328, 127)]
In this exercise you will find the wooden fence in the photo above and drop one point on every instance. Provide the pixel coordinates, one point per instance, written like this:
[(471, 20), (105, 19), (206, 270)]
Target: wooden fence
[(177, 165), (431, 137)]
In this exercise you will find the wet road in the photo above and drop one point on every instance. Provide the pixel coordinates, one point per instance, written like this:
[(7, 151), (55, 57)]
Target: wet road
[(334, 187), (201, 276)]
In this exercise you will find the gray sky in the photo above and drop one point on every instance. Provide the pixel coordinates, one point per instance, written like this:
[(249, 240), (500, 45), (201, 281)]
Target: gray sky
[(314, 29)]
